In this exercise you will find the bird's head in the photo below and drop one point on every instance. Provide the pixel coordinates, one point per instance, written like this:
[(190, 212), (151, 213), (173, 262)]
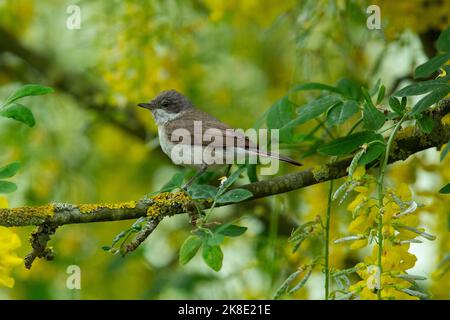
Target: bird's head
[(169, 101)]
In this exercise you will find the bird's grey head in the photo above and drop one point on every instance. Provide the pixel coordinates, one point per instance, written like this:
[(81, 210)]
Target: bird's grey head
[(170, 101)]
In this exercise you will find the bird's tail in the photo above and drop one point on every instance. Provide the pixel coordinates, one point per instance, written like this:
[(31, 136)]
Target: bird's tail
[(285, 159), (276, 156)]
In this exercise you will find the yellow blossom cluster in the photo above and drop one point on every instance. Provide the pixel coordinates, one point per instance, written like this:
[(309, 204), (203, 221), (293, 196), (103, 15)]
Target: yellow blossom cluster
[(143, 58), (9, 242), (261, 12), (399, 229)]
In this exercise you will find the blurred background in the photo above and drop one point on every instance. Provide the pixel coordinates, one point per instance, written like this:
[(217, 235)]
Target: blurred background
[(234, 59)]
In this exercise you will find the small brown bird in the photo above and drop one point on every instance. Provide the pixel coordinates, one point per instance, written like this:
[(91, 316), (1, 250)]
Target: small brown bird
[(186, 134)]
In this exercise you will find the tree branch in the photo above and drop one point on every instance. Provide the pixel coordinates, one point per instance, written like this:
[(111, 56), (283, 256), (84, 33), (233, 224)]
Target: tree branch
[(407, 142)]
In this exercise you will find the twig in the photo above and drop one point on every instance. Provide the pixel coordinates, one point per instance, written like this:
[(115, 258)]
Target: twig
[(39, 239), (142, 235)]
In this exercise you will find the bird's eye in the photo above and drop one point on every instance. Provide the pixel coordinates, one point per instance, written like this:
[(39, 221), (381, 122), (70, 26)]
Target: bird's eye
[(164, 103)]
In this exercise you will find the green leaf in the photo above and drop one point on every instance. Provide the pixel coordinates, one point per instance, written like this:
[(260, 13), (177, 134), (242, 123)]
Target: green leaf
[(431, 65), (280, 114), (233, 177), (230, 230), (373, 91), (314, 86), (235, 195), (202, 191), (7, 187), (251, 173), (28, 90), (445, 189), (175, 182), (189, 248), (404, 102), (421, 88), (213, 256), (9, 170), (445, 151), (443, 42), (341, 112), (429, 100), (373, 152), (313, 109), (350, 89), (426, 124), (213, 239), (106, 248), (367, 97), (381, 94), (373, 119), (396, 106), (346, 145), (121, 235), (19, 113)]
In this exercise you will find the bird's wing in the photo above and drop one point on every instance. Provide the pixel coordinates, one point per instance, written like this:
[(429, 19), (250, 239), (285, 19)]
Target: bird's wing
[(214, 133), (210, 132)]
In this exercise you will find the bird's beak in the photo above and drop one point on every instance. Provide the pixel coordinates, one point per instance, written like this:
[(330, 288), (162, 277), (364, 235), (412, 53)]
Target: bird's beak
[(145, 105)]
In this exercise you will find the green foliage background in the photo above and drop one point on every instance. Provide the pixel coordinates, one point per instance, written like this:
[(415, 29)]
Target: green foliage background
[(234, 59)]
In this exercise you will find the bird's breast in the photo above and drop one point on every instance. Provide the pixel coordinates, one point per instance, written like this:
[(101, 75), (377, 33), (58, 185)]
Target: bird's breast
[(164, 142)]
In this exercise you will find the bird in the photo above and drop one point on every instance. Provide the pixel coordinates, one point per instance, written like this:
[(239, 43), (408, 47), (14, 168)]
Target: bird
[(185, 133)]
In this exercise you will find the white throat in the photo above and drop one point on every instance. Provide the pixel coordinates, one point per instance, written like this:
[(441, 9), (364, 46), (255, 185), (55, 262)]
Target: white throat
[(162, 116)]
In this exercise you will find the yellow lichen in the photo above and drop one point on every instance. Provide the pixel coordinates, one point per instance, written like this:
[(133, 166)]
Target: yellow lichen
[(89, 208), (320, 172), (167, 203), (46, 211), (446, 119), (26, 215), (405, 133)]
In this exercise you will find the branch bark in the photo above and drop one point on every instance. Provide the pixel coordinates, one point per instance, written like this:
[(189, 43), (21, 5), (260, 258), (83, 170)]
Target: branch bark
[(407, 142)]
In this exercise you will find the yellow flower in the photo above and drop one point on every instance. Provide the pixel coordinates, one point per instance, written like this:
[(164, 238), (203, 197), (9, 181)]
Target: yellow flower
[(359, 173), (359, 244), (9, 241), (387, 280), (363, 222), (3, 202), (403, 192), (391, 286), (393, 294), (446, 119), (359, 199), (394, 258), (367, 294)]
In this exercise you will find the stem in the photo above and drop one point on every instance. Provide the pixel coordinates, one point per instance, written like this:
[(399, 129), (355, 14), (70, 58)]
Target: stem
[(381, 175), (328, 222), (327, 240), (272, 240), (355, 125), (327, 130)]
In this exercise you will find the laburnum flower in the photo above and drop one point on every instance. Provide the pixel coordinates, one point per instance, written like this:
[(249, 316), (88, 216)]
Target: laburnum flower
[(9, 242), (394, 257), (398, 213), (364, 209), (366, 289)]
